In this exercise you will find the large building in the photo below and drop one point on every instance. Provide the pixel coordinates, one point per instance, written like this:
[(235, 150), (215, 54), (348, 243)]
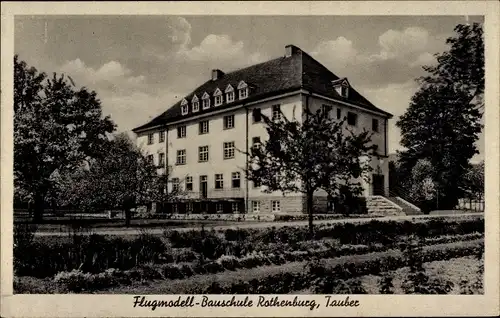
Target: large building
[(201, 137)]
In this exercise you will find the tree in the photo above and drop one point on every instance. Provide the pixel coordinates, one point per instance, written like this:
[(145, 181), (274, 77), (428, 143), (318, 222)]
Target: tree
[(443, 120), (123, 179), (473, 181), (422, 188), (56, 128), (317, 153)]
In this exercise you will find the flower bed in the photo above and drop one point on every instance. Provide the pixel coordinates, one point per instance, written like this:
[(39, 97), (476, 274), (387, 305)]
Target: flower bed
[(284, 283), (223, 263), (96, 253)]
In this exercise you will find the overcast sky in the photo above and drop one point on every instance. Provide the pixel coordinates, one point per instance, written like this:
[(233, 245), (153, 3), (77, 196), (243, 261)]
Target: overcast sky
[(141, 65)]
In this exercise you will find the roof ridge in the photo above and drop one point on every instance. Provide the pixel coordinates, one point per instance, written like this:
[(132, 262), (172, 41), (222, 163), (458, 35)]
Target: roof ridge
[(250, 66)]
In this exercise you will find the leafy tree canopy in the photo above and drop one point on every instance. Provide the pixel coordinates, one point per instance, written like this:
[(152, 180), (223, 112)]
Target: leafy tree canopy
[(443, 121), (56, 128), (302, 156)]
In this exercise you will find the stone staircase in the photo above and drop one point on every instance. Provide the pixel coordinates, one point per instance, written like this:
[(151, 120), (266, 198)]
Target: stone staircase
[(381, 206), (408, 208)]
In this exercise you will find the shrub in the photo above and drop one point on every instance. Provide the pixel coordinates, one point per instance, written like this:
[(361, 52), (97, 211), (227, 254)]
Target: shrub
[(173, 271)]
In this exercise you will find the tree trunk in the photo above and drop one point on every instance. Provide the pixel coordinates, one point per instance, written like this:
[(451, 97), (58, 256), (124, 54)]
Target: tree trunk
[(38, 209), (309, 205), (128, 216)]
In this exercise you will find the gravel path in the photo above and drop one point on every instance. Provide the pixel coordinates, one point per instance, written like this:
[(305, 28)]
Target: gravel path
[(125, 231)]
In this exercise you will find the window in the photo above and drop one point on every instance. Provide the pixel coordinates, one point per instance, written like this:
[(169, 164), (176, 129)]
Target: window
[(161, 159), (196, 106), (256, 183), (162, 136), (203, 129), (339, 113), (243, 93), (218, 97), (235, 207), (181, 157), (229, 93), (235, 176), (255, 140), (151, 159), (181, 132), (352, 118), (184, 109), (203, 153), (242, 90), (257, 116), (344, 91), (229, 122), (229, 150), (205, 101), (219, 207), (174, 208), (189, 183), (375, 125), (218, 100), (184, 106), (230, 97), (175, 184), (275, 206), (151, 138), (256, 206), (325, 110), (276, 112), (219, 181), (189, 207)]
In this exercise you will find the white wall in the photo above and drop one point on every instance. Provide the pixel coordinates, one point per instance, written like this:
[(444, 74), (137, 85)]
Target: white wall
[(364, 122), (291, 106)]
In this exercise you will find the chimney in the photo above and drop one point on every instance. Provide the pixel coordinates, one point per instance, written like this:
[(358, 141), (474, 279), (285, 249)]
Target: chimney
[(291, 50), (217, 74)]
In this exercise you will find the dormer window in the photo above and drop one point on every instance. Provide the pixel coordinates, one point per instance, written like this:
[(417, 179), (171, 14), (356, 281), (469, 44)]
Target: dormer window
[(342, 87), (242, 90), (196, 104), (218, 97), (184, 107), (229, 93), (205, 101)]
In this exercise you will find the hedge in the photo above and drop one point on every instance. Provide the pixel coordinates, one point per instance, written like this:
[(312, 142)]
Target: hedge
[(97, 253)]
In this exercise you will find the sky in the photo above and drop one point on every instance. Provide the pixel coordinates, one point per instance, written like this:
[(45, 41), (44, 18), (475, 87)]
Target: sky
[(141, 65)]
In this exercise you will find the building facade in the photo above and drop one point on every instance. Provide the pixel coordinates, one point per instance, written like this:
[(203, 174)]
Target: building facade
[(202, 138)]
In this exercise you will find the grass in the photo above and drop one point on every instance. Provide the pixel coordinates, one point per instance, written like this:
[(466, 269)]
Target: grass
[(111, 225)]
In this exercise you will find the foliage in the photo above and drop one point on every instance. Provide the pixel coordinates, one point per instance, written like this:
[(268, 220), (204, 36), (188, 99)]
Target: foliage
[(56, 129), (123, 179), (257, 247), (443, 121), (386, 285), (305, 156), (417, 281), (473, 181)]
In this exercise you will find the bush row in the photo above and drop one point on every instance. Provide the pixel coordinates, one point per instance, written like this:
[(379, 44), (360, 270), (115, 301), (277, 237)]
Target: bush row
[(95, 253), (92, 253), (284, 283), (78, 281), (383, 232)]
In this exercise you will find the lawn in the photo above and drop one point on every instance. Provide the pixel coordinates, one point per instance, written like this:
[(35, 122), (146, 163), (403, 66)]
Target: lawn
[(255, 260)]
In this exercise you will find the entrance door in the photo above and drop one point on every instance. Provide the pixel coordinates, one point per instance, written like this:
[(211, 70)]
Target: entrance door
[(203, 186), (378, 184)]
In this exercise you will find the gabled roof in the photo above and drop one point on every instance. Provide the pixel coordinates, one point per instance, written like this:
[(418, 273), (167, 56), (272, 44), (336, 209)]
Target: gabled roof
[(277, 76), (217, 92)]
